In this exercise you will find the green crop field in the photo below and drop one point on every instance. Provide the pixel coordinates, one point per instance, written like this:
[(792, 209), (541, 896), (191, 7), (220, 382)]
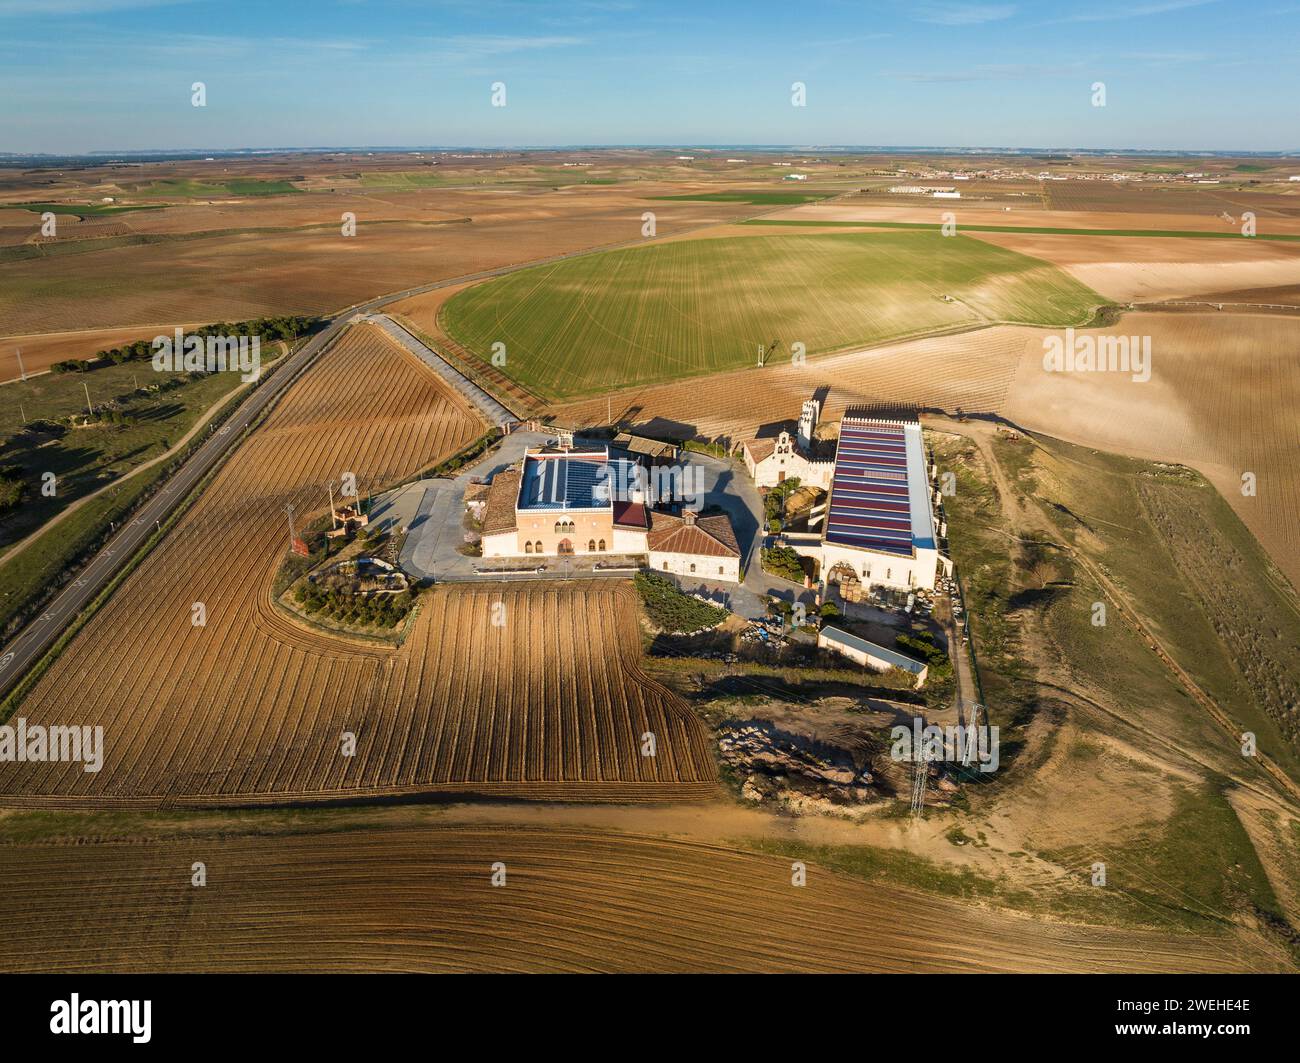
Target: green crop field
[(754, 199), (666, 311), (82, 210), (184, 188)]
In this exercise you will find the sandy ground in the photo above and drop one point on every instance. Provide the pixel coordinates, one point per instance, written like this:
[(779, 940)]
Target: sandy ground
[(1127, 269), (1221, 398), (931, 211)]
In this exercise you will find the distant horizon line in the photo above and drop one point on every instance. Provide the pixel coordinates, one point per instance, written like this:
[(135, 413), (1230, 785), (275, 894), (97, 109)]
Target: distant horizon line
[(137, 153)]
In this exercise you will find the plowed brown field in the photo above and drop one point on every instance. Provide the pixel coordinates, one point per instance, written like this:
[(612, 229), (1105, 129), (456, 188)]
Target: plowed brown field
[(253, 706), (574, 900)]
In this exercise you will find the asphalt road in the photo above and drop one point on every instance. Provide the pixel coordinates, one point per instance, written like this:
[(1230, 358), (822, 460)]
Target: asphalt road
[(38, 636)]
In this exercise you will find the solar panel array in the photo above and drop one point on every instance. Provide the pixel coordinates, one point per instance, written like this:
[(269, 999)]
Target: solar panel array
[(569, 482), (870, 505)]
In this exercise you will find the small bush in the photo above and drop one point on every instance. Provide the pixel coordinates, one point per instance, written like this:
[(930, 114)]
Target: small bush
[(783, 561)]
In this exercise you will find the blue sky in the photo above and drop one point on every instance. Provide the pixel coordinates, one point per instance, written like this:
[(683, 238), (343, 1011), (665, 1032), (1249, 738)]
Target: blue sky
[(94, 75)]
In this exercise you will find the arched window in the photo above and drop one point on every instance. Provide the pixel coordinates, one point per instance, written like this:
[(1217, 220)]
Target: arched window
[(692, 566), (889, 573), (602, 545), (528, 548), (591, 546), (719, 570)]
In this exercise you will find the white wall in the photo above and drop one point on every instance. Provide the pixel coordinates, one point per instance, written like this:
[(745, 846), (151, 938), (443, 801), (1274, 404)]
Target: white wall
[(502, 544), (884, 570), (628, 541), (705, 567)]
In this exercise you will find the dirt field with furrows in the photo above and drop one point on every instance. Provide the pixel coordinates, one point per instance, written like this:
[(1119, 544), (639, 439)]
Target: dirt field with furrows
[(1222, 399), (403, 239), (1129, 269), (574, 900), (253, 706)]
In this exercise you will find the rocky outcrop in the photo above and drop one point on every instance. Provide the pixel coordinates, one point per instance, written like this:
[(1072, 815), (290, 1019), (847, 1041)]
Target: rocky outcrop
[(789, 769)]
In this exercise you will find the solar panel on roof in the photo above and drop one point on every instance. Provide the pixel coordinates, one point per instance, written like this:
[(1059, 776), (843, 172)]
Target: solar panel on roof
[(870, 506), (569, 482)]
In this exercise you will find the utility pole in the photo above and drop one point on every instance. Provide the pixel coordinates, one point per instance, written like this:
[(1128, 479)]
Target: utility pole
[(334, 521), (89, 407), (21, 371), (921, 761), (292, 533)]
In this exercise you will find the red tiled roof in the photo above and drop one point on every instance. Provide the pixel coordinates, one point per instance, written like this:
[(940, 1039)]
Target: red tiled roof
[(758, 449), (630, 514), (504, 492), (707, 537)]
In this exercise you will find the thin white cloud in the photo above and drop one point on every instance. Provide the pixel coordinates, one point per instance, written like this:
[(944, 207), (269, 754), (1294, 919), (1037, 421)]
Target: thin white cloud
[(957, 14), (1115, 14), (484, 46), (69, 8)]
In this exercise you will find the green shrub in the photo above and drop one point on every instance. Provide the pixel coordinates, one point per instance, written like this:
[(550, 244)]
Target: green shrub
[(783, 561), (672, 610)]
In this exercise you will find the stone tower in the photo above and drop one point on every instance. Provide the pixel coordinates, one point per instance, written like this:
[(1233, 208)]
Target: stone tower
[(808, 418)]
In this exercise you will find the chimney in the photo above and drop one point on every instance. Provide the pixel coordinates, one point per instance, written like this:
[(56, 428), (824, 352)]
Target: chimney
[(688, 515)]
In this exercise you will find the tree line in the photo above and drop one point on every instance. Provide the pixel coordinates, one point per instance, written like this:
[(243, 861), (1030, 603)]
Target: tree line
[(268, 329)]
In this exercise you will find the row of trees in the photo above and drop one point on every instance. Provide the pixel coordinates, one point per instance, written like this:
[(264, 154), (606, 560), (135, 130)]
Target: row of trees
[(269, 329)]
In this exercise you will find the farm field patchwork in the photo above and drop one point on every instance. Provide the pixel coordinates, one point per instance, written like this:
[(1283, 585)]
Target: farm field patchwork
[(295, 260), (685, 307), (252, 706)]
